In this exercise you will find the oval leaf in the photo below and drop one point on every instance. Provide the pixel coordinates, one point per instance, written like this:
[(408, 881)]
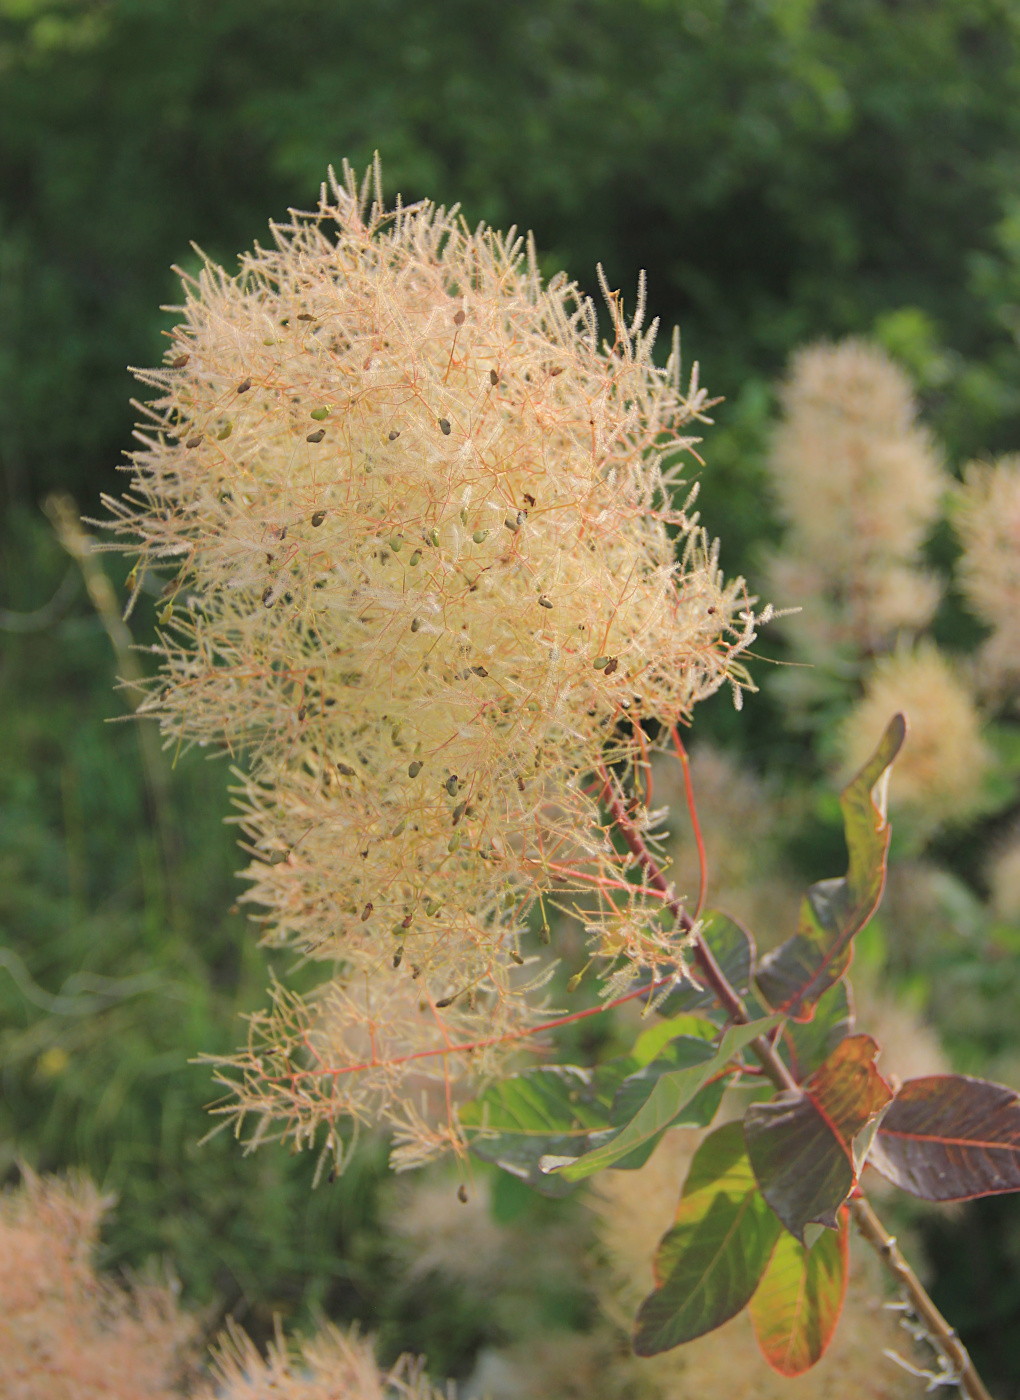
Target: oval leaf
[(802, 1145), (798, 1302), (711, 1261), (948, 1138), (793, 976)]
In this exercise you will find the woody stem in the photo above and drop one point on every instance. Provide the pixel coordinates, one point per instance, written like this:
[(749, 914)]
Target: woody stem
[(868, 1223)]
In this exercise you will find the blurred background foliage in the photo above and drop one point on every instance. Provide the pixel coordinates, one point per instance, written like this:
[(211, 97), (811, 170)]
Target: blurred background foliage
[(785, 170)]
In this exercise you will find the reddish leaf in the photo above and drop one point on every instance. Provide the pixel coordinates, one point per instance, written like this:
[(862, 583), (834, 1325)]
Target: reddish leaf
[(948, 1138), (802, 1145), (794, 975), (805, 1044), (799, 1300), (711, 1261)]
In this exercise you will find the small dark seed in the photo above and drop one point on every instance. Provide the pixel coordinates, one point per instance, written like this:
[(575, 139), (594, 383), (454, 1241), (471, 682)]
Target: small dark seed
[(179, 361), (413, 769), (459, 811), (395, 433), (544, 602), (415, 623), (462, 1195), (316, 436), (611, 665), (479, 671), (529, 498), (267, 596), (406, 922), (452, 784), (345, 769), (397, 957), (520, 784), (554, 372), (444, 1002), (305, 316), (516, 957), (711, 610), (415, 972), (444, 424), (194, 442), (459, 319), (302, 711), (493, 378), (318, 518), (244, 386), (366, 913)]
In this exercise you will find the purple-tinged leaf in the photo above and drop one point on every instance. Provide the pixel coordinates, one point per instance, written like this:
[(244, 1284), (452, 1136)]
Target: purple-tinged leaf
[(798, 1302), (710, 1263), (804, 1045), (793, 976), (801, 1146), (948, 1138)]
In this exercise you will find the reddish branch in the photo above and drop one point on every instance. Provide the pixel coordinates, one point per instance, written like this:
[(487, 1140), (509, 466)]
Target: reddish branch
[(942, 1336)]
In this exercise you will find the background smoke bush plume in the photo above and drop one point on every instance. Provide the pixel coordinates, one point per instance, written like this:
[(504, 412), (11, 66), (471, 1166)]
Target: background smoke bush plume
[(420, 522), (64, 1332), (940, 774), (858, 483), (986, 515), (67, 1333)]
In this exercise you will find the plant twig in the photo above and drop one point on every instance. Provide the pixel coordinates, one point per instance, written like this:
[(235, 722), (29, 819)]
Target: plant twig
[(937, 1329), (871, 1228)]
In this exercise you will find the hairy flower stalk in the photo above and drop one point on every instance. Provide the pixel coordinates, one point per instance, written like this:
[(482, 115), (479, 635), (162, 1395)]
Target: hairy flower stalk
[(425, 579)]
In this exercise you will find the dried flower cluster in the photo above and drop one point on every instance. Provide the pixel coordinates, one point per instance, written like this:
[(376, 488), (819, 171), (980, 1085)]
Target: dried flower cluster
[(66, 1334), (425, 578), (858, 484), (987, 520), (940, 774)]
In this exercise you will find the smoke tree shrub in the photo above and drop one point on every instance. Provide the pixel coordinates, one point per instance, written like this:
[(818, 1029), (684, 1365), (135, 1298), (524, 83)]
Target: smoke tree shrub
[(431, 579)]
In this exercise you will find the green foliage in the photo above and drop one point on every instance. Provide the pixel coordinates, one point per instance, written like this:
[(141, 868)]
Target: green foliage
[(712, 1260)]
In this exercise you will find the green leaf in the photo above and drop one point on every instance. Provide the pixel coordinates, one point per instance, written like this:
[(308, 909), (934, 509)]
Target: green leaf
[(710, 1263), (794, 976), (636, 1089), (733, 949), (796, 1306), (671, 1093), (806, 1044), (649, 1046), (556, 1110), (802, 1145)]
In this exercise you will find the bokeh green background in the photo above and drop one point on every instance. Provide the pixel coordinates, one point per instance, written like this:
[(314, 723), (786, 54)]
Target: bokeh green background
[(783, 169)]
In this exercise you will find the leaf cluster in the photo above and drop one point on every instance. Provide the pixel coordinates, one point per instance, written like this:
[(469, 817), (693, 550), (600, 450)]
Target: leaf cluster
[(746, 1230)]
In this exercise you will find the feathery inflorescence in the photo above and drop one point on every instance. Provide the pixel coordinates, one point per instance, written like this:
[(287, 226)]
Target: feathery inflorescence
[(858, 483), (425, 578), (987, 520)]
